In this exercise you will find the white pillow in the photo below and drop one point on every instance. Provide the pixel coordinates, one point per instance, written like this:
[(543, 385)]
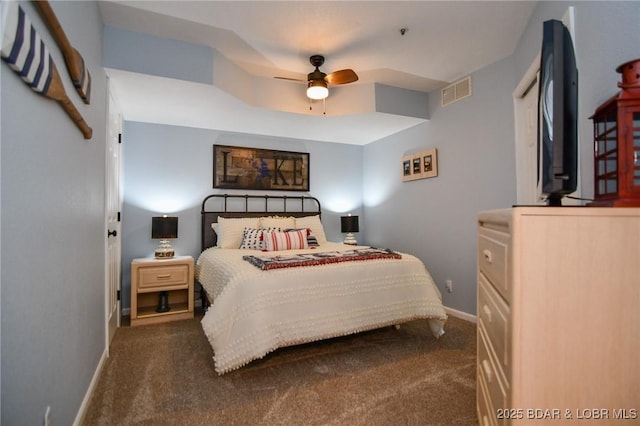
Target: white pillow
[(313, 223), (291, 240), (231, 230), (278, 222)]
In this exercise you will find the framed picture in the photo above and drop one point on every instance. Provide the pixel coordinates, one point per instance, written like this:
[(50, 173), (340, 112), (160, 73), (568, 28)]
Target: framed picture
[(237, 167), (417, 168), (406, 168), (421, 165)]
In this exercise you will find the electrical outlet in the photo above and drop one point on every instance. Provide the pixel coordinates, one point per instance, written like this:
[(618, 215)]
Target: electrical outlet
[(47, 416), (449, 284)]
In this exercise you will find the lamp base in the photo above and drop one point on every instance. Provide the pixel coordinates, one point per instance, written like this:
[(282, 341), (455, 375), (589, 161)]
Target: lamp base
[(164, 250), (350, 240)]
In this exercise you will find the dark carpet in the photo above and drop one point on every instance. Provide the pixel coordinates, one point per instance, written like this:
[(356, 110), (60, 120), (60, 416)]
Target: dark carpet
[(164, 375)]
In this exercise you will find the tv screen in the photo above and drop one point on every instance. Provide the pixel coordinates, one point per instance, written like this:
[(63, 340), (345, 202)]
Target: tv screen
[(557, 115)]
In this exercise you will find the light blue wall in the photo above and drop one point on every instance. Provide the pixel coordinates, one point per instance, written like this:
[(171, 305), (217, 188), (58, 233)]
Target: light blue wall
[(435, 218), (169, 169), (148, 54), (52, 233), (394, 100)]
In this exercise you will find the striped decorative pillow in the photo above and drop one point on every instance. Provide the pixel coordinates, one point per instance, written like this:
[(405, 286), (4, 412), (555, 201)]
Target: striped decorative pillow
[(312, 241), (291, 240)]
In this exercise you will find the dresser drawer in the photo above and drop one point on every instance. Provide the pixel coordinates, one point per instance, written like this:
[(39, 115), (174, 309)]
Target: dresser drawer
[(493, 253), (153, 277), (494, 314), (491, 372), (486, 412)]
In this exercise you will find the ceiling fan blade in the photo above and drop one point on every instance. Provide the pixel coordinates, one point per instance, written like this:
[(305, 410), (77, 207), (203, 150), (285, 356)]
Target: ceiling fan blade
[(291, 79), (342, 77)]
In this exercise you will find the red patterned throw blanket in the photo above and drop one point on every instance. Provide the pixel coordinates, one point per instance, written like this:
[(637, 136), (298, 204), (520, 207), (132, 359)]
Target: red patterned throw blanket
[(312, 259)]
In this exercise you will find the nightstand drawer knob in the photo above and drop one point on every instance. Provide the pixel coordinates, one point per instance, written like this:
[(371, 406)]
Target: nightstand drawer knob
[(163, 276), (488, 256)]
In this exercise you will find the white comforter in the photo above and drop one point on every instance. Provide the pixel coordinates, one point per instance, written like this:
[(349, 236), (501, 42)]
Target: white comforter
[(254, 312)]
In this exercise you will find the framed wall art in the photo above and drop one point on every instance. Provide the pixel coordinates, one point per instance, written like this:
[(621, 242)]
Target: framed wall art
[(237, 167), (421, 165)]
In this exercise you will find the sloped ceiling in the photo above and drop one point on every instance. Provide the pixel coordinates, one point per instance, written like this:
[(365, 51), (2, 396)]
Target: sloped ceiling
[(442, 42)]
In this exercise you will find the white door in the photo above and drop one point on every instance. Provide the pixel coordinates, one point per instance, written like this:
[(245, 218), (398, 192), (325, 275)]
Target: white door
[(525, 99), (113, 204)]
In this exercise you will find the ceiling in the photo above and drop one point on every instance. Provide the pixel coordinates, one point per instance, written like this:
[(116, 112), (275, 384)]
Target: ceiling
[(442, 42)]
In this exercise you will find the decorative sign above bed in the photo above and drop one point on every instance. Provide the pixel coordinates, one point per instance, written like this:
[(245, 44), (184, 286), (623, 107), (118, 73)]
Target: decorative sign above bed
[(266, 169), (423, 164)]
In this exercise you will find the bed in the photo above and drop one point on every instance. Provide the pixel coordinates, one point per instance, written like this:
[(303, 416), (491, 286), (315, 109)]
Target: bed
[(288, 285)]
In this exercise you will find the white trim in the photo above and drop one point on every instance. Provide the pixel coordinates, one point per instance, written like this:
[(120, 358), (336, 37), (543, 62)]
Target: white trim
[(82, 412), (462, 315)]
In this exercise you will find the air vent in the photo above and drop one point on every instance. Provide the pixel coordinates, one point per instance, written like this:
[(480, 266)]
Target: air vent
[(456, 91)]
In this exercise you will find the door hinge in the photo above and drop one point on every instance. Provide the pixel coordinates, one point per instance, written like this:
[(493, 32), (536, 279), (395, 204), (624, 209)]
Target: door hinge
[(118, 296), (119, 137)]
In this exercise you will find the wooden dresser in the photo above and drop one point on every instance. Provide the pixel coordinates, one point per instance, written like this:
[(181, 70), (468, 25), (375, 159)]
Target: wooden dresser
[(559, 316)]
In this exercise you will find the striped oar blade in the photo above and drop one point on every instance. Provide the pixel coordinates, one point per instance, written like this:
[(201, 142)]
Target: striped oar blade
[(23, 49), (78, 70), (27, 55), (83, 84)]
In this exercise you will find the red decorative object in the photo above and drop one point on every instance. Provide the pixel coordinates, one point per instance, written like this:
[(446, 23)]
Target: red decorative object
[(616, 125)]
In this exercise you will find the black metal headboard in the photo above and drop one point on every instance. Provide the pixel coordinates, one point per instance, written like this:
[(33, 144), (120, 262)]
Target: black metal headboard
[(231, 205)]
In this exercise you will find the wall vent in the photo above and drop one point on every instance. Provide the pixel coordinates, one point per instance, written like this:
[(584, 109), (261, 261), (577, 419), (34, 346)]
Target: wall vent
[(456, 91)]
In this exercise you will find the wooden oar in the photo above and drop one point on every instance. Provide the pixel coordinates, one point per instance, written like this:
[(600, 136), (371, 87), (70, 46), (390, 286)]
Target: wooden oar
[(25, 52), (75, 63)]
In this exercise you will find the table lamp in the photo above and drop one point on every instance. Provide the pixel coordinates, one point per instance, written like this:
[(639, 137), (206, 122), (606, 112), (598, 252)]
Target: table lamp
[(349, 225), (164, 228)]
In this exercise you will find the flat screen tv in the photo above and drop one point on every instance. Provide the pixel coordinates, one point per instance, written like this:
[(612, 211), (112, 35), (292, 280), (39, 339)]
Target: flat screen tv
[(557, 115)]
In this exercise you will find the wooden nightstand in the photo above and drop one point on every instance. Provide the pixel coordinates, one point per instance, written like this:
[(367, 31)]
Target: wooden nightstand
[(149, 277)]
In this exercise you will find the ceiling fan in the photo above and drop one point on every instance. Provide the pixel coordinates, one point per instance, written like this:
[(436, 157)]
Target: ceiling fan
[(317, 81)]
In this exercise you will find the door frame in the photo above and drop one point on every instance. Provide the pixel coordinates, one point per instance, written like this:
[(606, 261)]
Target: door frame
[(112, 104)]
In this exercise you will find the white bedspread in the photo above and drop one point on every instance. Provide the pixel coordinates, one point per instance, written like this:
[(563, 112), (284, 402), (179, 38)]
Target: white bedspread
[(254, 312)]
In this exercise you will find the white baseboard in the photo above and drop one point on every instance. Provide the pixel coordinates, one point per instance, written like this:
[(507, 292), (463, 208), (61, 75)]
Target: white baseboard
[(462, 315), (92, 386)]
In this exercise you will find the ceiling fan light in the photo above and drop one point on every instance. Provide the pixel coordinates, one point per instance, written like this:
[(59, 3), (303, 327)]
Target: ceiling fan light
[(317, 89)]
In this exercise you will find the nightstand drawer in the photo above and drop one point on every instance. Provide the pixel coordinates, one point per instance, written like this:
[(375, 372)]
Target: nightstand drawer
[(494, 314), (153, 277), (493, 251)]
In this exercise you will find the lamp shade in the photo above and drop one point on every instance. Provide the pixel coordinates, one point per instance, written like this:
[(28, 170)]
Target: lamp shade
[(317, 89), (164, 227), (349, 224)]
